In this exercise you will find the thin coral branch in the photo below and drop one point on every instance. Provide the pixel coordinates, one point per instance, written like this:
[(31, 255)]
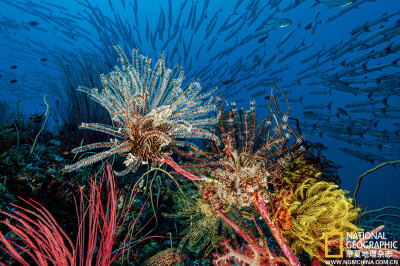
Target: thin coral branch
[(368, 172), (259, 203), (240, 231), (44, 124), (182, 171), (43, 236)]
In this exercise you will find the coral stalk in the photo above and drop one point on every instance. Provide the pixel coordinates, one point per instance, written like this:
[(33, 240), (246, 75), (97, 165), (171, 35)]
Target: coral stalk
[(182, 171), (259, 203), (241, 232), (44, 124), (368, 172)]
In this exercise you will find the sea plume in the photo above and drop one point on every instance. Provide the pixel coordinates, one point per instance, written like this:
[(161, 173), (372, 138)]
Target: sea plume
[(44, 241)]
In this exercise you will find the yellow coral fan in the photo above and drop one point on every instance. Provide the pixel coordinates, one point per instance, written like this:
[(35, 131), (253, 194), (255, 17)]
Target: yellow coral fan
[(316, 208)]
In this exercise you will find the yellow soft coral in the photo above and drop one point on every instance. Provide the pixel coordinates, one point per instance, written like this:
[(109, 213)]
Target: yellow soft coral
[(301, 168), (316, 208)]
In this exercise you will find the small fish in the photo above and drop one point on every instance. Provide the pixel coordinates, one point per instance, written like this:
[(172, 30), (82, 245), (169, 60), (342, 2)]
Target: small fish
[(259, 93), (226, 82), (368, 103), (315, 23), (13, 81), (395, 75), (43, 59), (308, 26), (13, 67), (276, 23), (364, 156), (287, 36), (342, 111), (263, 38), (347, 7), (33, 23), (320, 93), (257, 60), (334, 3), (110, 4), (295, 51), (370, 23)]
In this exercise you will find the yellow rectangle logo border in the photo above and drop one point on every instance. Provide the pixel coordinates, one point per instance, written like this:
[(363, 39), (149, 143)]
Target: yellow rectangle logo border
[(334, 256)]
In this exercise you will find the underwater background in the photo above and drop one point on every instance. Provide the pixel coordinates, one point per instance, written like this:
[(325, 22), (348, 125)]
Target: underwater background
[(336, 61)]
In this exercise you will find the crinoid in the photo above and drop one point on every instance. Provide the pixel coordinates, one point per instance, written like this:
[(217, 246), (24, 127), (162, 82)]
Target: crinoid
[(205, 229), (151, 112), (245, 169), (315, 208), (250, 157)]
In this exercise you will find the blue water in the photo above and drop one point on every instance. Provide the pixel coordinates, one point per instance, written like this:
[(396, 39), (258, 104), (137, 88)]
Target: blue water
[(70, 27)]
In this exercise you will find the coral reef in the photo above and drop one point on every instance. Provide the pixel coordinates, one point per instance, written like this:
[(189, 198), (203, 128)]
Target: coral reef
[(251, 191)]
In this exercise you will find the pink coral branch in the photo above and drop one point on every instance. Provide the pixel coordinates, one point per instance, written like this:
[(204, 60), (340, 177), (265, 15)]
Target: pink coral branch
[(44, 237), (270, 255), (244, 255), (239, 230), (47, 242), (182, 171), (259, 203)]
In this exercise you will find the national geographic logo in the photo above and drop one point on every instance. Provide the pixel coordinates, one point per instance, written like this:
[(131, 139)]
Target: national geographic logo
[(334, 236)]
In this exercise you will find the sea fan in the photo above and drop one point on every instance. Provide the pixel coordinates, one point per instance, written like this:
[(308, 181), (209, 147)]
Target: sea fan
[(42, 239)]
